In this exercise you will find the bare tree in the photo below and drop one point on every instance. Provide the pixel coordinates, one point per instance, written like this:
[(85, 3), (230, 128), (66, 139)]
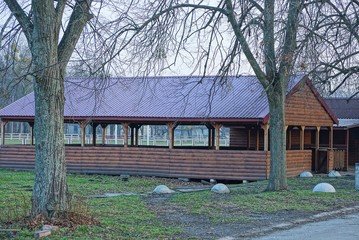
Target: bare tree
[(52, 30), (332, 54), (212, 37)]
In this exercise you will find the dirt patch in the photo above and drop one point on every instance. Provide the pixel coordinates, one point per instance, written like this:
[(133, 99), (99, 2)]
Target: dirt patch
[(232, 220)]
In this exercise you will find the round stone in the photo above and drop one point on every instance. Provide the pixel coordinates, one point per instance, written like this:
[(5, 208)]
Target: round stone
[(162, 189), (334, 174), (305, 174), (323, 187), (220, 188)]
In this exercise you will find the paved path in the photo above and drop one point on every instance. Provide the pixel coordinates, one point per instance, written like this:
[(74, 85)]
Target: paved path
[(343, 228)]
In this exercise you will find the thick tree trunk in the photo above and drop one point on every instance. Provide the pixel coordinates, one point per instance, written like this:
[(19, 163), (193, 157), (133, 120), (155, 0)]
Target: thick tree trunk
[(278, 163), (50, 195), (50, 190)]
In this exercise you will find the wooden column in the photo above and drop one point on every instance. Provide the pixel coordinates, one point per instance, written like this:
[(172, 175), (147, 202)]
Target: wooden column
[(317, 145), (266, 140), (290, 138), (171, 134), (217, 135), (136, 134), (286, 136), (210, 138), (347, 153), (213, 140), (302, 131), (257, 140), (249, 138), (132, 129), (83, 133), (94, 126), (31, 125), (3, 124), (125, 129), (103, 127), (331, 137)]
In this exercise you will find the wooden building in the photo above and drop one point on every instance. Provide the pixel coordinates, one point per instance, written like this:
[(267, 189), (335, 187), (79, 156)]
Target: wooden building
[(238, 103), (346, 132)]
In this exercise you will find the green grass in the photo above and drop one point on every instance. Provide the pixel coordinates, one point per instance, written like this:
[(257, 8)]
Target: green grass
[(132, 217)]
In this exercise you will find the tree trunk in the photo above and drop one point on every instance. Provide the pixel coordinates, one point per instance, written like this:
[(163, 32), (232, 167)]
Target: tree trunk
[(50, 189), (50, 195), (278, 163)]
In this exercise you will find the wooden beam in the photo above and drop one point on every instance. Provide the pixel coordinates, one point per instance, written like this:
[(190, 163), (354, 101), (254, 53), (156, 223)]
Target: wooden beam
[(302, 137), (266, 140), (331, 137), (290, 138), (317, 145), (31, 125), (94, 126), (103, 127), (3, 124), (125, 129), (257, 140), (249, 138), (83, 133), (171, 134), (347, 153), (217, 134), (136, 134)]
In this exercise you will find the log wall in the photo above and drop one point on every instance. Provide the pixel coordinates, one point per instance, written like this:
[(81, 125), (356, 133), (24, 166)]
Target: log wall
[(302, 108), (297, 162), (191, 163)]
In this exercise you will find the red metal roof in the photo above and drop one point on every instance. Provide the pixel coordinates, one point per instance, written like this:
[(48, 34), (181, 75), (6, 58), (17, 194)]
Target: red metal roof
[(186, 98)]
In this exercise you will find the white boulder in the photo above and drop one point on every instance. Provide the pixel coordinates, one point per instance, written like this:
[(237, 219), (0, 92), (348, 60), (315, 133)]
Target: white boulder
[(323, 187), (334, 174), (162, 189), (306, 174), (220, 188)]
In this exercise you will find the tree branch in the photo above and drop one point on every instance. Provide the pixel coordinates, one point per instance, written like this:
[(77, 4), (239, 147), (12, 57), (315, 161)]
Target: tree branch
[(79, 17), (21, 17), (246, 49)]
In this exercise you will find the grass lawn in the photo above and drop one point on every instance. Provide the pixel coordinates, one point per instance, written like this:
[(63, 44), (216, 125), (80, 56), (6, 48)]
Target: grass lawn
[(150, 216)]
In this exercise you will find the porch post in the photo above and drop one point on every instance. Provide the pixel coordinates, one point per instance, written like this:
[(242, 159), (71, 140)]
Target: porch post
[(137, 127), (317, 145), (209, 136), (331, 137), (213, 141), (31, 124), (257, 139), (286, 137), (94, 126), (83, 133), (171, 134), (3, 124), (125, 129), (347, 153), (217, 129), (289, 138), (302, 131), (132, 135), (103, 127), (265, 128), (249, 138)]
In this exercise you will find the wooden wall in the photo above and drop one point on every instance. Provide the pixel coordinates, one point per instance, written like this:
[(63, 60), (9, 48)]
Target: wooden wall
[(297, 162), (354, 146), (239, 138), (304, 109), (191, 163)]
